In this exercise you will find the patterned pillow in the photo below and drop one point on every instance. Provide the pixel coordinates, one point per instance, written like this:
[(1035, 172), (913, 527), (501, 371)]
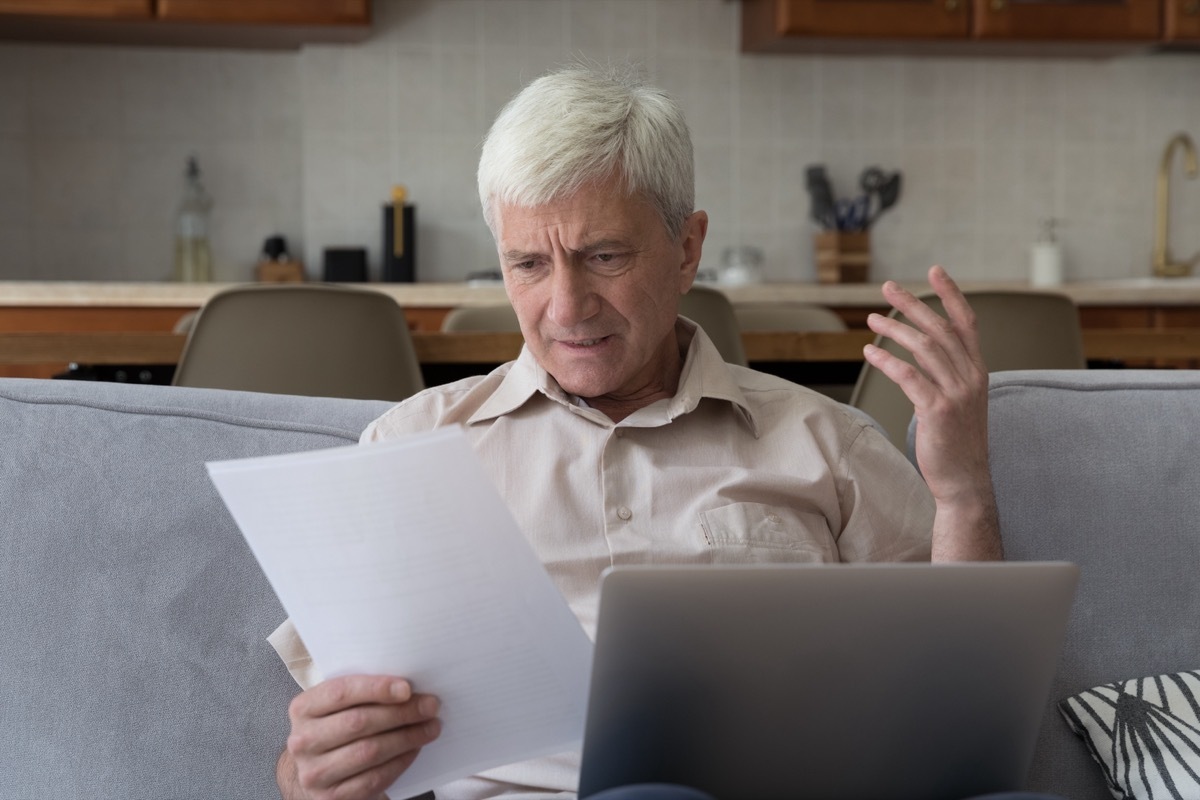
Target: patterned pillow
[(1144, 733)]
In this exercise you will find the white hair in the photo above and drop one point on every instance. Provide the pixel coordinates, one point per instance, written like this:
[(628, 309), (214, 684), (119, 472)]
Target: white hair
[(579, 125)]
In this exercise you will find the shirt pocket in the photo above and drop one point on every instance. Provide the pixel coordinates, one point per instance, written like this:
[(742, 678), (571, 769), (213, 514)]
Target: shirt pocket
[(758, 533)]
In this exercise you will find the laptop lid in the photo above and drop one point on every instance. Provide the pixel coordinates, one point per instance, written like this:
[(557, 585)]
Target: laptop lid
[(821, 682)]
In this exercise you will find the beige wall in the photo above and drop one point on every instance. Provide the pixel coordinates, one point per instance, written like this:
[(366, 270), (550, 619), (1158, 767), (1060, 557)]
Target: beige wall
[(93, 142)]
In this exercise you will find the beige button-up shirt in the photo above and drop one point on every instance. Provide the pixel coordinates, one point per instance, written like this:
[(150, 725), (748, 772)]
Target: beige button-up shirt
[(738, 467)]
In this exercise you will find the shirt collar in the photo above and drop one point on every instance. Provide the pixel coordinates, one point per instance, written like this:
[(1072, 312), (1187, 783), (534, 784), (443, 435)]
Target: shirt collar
[(705, 375)]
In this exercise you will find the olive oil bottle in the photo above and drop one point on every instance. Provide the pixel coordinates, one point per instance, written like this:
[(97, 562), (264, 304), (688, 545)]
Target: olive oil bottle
[(193, 260)]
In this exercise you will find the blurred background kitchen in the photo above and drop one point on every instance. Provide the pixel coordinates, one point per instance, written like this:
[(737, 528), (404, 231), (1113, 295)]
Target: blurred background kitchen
[(307, 143)]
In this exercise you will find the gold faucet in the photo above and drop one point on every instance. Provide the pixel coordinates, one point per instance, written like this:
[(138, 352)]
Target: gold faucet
[(1163, 266)]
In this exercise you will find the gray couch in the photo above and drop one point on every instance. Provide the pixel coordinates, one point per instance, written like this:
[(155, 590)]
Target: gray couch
[(133, 660), (1102, 468), (132, 652)]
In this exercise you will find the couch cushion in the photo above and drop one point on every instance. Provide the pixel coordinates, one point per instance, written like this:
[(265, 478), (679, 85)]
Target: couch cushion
[(1100, 468), (1144, 733), (132, 615)]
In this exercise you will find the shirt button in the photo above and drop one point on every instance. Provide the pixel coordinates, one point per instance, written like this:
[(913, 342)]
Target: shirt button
[(774, 518), (624, 513), (620, 434)]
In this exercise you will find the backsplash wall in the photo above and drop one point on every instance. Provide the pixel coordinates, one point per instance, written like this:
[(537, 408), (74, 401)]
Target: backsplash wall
[(93, 142)]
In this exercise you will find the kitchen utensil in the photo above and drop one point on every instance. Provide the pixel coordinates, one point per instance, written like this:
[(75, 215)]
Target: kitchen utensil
[(854, 215), (883, 187), (870, 181), (824, 207), (889, 193)]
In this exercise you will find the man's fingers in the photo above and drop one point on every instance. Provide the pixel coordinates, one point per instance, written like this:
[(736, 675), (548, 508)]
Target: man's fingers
[(912, 381), (359, 723), (337, 694), (373, 782), (934, 340), (938, 361), (377, 759), (958, 310)]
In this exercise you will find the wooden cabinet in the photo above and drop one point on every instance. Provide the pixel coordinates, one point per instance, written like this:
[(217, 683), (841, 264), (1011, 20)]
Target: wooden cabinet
[(275, 24), (962, 26), (267, 12), (1182, 20), (766, 22), (1076, 20), (80, 319), (95, 9)]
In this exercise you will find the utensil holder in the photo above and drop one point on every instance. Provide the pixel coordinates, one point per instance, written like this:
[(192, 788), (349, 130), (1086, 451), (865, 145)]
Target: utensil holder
[(842, 257), (279, 271)]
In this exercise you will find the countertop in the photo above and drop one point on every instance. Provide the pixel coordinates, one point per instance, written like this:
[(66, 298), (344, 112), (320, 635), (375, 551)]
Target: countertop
[(1130, 292)]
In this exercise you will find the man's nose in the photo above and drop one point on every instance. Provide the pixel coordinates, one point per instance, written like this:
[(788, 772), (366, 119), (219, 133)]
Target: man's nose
[(572, 300)]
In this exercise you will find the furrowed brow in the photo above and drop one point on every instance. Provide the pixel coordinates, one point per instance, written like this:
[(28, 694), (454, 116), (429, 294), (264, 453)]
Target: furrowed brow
[(519, 255), (604, 244)]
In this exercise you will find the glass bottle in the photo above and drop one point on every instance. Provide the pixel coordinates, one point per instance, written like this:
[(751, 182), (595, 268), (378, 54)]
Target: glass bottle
[(193, 261)]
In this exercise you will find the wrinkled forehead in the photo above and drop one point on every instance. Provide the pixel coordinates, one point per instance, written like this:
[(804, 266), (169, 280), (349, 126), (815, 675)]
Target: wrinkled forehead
[(592, 213)]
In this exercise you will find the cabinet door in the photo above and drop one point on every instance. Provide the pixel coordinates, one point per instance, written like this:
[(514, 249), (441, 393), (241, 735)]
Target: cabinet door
[(1068, 20), (767, 21), (1182, 20), (268, 12), (96, 9)]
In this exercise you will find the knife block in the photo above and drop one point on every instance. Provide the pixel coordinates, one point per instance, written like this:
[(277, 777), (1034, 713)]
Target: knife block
[(842, 257)]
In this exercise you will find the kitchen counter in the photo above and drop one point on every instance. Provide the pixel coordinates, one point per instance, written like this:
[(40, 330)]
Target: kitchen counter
[(1127, 292), (46, 325)]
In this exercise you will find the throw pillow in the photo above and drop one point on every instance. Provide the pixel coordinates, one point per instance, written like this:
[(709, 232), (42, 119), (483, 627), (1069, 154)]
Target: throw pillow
[(1144, 733)]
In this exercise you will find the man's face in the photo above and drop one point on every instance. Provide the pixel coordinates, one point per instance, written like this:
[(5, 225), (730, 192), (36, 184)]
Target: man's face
[(595, 280)]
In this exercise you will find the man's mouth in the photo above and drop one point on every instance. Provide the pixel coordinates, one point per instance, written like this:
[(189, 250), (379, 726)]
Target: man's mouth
[(584, 342)]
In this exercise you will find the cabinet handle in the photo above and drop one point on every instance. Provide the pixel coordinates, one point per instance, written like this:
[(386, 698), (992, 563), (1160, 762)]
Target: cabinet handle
[(998, 5)]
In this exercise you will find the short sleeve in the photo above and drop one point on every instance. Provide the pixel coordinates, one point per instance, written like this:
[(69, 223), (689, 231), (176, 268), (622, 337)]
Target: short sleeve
[(887, 507), (291, 650)]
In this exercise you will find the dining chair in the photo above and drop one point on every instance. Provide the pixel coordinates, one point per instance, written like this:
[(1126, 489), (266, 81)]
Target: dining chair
[(498, 318), (305, 339), (707, 307), (804, 317), (711, 310), (1017, 330), (787, 317)]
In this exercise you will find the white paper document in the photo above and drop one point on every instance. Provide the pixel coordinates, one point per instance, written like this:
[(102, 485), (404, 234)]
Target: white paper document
[(400, 558)]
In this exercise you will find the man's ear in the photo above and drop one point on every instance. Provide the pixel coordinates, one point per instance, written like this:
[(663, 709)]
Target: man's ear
[(695, 228)]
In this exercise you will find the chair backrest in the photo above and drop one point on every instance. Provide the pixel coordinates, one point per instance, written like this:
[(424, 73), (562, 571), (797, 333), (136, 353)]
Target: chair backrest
[(787, 317), (1017, 330), (711, 310), (707, 307), (309, 339), (1096, 467), (496, 318)]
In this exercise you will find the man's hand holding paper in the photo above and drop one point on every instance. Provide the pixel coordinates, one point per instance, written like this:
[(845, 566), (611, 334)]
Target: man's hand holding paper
[(400, 559), (354, 736)]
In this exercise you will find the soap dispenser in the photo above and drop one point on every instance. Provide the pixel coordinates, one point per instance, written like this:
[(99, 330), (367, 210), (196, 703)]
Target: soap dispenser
[(1045, 258), (193, 260)]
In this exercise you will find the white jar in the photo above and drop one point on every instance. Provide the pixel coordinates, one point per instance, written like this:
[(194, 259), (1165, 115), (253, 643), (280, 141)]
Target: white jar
[(741, 266), (1046, 258)]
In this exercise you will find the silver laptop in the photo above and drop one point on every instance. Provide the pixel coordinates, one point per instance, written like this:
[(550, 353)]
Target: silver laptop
[(822, 682)]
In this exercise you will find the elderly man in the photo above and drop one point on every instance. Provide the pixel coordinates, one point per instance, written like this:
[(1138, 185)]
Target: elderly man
[(620, 436)]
